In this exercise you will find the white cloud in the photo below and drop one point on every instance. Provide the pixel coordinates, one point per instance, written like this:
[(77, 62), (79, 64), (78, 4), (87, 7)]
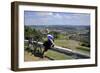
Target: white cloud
[(44, 13), (57, 15)]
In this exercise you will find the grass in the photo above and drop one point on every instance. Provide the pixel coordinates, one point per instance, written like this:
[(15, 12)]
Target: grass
[(57, 56), (83, 51), (74, 45), (83, 48), (71, 44), (50, 53)]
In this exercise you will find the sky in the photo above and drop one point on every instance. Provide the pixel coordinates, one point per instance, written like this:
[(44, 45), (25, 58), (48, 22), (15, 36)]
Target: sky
[(55, 18)]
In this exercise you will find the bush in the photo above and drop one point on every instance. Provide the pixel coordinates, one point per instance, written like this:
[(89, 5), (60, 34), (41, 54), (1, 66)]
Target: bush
[(85, 44)]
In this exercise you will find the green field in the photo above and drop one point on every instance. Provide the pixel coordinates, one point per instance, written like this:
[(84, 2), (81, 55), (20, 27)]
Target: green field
[(57, 56), (74, 45), (71, 44)]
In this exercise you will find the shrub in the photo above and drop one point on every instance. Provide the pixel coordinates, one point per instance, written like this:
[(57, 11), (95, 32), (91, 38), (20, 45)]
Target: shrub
[(85, 44)]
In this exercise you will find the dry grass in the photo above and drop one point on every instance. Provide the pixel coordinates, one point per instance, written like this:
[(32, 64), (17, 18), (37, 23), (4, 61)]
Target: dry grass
[(29, 57)]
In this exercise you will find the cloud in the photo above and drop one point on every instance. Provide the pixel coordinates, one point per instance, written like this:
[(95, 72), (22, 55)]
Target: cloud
[(57, 15), (44, 13)]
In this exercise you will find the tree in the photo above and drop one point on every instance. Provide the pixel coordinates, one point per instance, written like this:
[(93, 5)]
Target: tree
[(28, 32), (33, 33), (37, 35)]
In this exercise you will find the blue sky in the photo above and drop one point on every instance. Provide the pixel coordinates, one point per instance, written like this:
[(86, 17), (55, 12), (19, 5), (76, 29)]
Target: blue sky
[(55, 18)]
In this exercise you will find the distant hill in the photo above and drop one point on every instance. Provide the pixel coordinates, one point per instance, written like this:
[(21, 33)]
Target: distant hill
[(61, 27)]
